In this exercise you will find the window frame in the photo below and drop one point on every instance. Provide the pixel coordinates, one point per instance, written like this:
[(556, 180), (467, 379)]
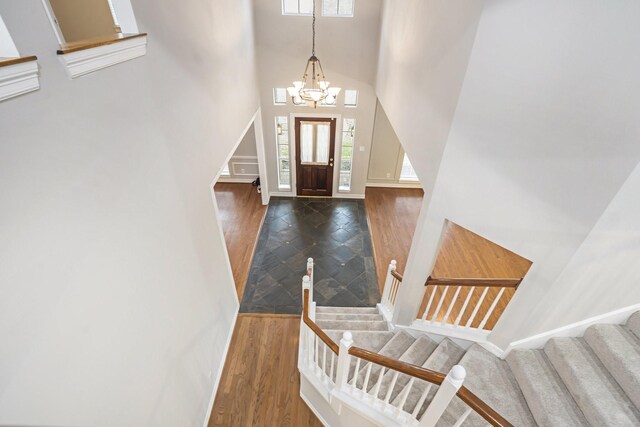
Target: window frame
[(275, 101), (338, 15), (345, 98), (409, 179), (284, 13), (345, 189), (283, 186)]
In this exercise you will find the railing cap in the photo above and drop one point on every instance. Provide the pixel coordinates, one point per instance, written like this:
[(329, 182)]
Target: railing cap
[(458, 373), (347, 339)]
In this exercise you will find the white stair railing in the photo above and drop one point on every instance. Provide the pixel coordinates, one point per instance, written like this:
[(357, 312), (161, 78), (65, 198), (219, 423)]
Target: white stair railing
[(317, 349), (390, 292), (474, 300), (367, 388), (329, 365), (446, 392)]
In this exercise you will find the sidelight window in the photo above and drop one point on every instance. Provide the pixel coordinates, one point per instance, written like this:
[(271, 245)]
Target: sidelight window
[(282, 143), (346, 154)]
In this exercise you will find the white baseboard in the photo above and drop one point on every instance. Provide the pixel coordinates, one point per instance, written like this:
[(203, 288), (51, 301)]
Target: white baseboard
[(281, 194), (347, 196), (335, 195), (493, 349), (394, 184), (572, 330), (219, 375), (236, 180)]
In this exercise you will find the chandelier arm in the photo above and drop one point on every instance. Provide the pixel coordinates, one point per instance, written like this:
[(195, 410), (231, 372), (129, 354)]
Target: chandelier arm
[(305, 75), (321, 70)]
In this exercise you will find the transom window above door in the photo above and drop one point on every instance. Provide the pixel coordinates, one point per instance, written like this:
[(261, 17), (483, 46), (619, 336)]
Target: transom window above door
[(314, 143), (297, 7), (337, 8)]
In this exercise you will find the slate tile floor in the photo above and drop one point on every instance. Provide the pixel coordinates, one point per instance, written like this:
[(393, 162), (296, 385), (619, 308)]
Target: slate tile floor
[(334, 233)]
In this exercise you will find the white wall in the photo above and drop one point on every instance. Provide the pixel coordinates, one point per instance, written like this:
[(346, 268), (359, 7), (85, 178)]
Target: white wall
[(347, 48), (7, 47), (604, 271), (387, 155), (243, 164), (546, 131), (424, 50), (116, 296)]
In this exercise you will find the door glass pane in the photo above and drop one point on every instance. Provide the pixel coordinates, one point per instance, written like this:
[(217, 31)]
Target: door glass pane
[(322, 146), (306, 142)]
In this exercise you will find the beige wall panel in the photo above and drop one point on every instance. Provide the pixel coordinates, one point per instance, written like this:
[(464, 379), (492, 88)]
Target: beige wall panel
[(82, 20)]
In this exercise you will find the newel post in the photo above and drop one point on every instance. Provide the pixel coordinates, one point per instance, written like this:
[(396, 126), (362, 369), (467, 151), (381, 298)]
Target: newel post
[(309, 338), (387, 285), (443, 397), (310, 274), (342, 374)]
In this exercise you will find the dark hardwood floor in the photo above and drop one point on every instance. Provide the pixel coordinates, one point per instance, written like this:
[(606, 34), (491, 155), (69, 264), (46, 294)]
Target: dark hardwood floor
[(466, 254), (241, 214), (393, 215), (260, 384)]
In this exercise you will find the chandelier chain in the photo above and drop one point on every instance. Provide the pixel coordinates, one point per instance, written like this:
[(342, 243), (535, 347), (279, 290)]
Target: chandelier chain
[(313, 30)]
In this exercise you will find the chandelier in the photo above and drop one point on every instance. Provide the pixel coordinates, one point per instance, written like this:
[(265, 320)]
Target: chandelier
[(318, 90)]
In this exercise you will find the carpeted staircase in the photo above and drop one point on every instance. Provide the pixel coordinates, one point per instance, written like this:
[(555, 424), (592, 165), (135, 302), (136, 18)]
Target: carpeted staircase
[(593, 380)]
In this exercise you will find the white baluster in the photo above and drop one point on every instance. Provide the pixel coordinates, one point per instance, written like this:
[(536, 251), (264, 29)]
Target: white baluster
[(425, 393), (464, 306), (310, 336), (405, 394), (354, 381), (426, 310), (324, 359), (448, 389), (310, 274), (439, 306), (376, 388), (366, 378), (317, 357), (477, 307), (391, 386), (396, 288), (344, 360), (333, 359), (453, 301), (386, 291), (493, 306), (462, 418)]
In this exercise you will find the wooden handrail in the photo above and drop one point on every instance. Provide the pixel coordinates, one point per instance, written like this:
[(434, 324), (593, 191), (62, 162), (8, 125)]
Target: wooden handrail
[(95, 42), (433, 377), (315, 328), (468, 397), (480, 282), (398, 365), (5, 62), (484, 410), (396, 275)]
